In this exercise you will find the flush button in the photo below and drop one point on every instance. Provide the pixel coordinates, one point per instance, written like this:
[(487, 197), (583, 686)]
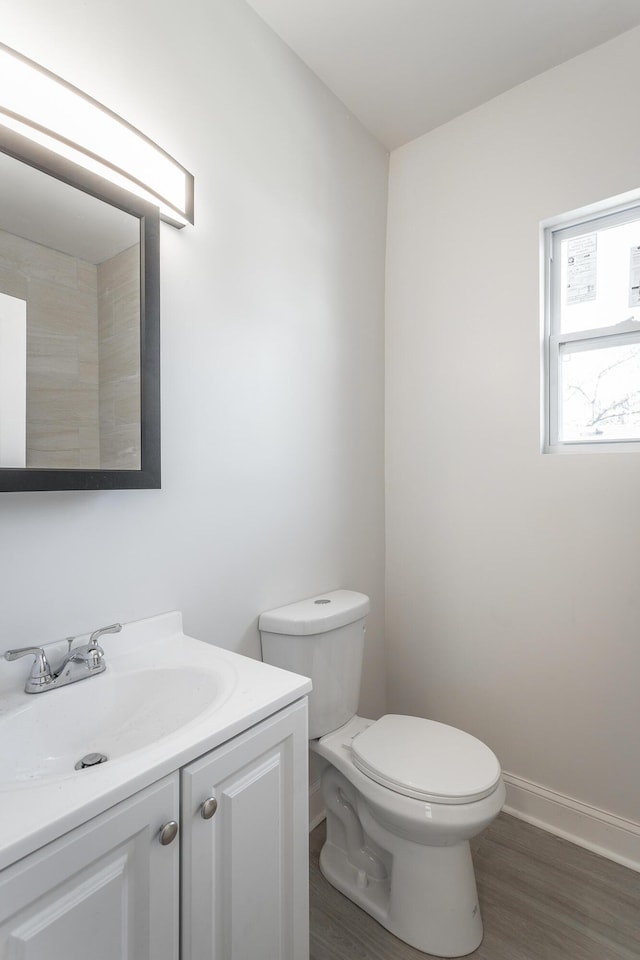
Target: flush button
[(324, 600)]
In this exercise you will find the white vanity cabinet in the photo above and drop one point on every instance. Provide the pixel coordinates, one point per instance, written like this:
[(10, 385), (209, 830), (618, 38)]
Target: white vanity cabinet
[(245, 845), (111, 890), (83, 872), (107, 890)]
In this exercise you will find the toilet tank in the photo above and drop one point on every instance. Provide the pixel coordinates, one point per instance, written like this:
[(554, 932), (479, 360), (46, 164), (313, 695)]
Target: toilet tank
[(321, 638)]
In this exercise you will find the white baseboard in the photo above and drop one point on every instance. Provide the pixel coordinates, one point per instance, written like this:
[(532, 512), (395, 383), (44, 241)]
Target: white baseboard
[(596, 830), (316, 807)]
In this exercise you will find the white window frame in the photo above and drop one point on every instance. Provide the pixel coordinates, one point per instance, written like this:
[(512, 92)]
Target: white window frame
[(627, 332)]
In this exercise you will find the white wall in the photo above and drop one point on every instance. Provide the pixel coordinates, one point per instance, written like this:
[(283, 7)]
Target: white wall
[(272, 341), (513, 605)]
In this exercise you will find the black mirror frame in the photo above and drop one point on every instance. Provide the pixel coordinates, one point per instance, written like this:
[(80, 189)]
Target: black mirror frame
[(148, 476)]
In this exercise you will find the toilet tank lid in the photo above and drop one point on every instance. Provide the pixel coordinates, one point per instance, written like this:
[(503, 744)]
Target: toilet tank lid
[(319, 614)]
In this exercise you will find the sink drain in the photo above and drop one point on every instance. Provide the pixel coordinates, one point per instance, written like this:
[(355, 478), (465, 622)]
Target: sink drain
[(91, 760)]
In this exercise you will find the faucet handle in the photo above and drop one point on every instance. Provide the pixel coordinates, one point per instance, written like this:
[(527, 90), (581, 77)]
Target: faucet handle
[(112, 628), (40, 671), (92, 653)]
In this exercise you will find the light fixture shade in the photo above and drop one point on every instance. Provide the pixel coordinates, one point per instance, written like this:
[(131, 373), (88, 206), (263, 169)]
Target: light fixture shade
[(56, 115)]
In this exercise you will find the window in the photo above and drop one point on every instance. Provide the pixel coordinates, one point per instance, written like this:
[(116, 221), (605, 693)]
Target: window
[(592, 333)]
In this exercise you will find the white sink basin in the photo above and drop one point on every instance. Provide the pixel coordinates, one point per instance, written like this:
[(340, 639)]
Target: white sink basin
[(114, 713), (164, 700)]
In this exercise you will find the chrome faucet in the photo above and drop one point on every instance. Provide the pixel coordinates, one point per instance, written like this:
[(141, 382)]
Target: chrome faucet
[(78, 664)]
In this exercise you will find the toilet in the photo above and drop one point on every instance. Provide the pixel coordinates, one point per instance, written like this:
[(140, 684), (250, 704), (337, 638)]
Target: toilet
[(403, 795)]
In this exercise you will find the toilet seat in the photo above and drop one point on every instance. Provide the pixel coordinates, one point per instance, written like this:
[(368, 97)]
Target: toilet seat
[(426, 760)]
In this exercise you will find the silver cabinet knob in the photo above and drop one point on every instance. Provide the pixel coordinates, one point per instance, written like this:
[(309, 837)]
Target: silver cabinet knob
[(208, 808), (168, 832)]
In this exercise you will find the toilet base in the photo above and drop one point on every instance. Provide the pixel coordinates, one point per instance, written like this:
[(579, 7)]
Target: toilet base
[(424, 895), (432, 927), (370, 894)]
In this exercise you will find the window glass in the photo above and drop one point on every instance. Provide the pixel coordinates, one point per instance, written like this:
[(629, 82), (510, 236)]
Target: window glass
[(600, 393), (592, 332), (600, 277)]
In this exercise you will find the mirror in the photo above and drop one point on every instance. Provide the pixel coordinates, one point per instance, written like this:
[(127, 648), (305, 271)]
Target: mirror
[(79, 327)]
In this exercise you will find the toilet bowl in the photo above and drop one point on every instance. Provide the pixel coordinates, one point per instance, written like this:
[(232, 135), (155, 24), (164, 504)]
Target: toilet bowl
[(403, 795)]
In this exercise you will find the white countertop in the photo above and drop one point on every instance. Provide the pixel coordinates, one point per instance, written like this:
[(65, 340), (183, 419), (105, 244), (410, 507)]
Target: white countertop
[(37, 811)]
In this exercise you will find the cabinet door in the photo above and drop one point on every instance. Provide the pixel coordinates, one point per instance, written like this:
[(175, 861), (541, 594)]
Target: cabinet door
[(107, 890), (245, 879)]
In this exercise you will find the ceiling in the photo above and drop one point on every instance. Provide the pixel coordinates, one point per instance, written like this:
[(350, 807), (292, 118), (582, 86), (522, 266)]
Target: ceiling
[(404, 67)]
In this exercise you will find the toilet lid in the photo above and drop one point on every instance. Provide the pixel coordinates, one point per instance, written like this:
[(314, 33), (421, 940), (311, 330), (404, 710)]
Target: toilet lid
[(426, 760)]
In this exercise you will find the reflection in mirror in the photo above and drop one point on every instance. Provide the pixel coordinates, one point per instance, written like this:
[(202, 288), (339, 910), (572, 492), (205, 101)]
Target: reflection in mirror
[(70, 326), (13, 381)]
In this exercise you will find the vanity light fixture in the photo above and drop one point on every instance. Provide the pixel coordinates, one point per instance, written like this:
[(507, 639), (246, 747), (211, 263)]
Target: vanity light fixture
[(53, 114)]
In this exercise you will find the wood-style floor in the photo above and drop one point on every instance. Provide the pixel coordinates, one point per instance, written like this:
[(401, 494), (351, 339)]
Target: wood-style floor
[(542, 898)]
